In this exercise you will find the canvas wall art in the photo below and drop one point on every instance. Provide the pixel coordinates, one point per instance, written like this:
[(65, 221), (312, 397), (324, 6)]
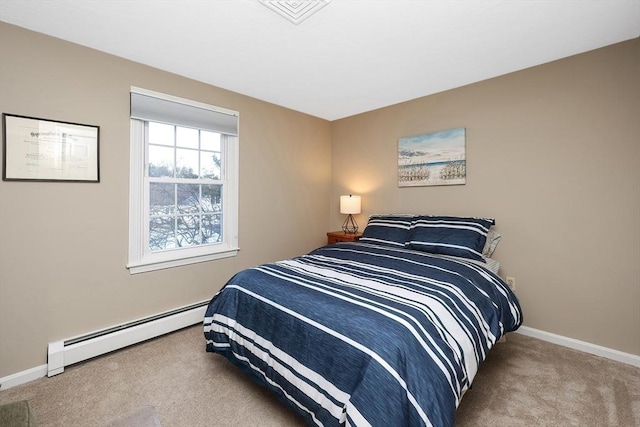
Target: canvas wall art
[(436, 158)]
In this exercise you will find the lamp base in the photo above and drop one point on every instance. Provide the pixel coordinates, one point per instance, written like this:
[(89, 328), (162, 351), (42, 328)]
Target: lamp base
[(349, 226)]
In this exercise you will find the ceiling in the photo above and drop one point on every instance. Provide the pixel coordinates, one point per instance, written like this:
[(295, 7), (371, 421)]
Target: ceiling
[(347, 57)]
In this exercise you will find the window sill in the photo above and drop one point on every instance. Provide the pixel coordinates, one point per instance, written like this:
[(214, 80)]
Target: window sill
[(144, 267)]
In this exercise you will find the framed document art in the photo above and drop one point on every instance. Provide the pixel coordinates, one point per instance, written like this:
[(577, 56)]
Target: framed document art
[(46, 150)]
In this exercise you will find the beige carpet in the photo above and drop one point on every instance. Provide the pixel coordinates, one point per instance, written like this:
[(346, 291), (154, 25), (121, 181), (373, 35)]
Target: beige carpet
[(171, 381)]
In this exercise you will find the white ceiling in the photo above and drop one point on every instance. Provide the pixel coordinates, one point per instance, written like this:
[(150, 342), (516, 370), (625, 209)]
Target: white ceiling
[(351, 56)]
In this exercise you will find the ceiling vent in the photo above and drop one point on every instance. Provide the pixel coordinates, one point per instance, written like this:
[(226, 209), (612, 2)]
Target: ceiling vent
[(295, 11)]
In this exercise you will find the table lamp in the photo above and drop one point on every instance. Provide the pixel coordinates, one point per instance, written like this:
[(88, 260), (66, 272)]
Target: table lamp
[(350, 205)]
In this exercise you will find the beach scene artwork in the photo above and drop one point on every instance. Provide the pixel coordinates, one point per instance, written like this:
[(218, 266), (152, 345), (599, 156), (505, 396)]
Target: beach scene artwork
[(436, 158)]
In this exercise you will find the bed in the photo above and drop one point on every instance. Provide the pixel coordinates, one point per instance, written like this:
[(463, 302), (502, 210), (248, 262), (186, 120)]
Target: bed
[(386, 331)]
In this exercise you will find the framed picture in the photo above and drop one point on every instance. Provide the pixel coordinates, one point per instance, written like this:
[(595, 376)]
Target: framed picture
[(436, 158), (46, 150)]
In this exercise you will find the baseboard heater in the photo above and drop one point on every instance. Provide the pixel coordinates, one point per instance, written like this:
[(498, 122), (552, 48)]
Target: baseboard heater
[(77, 349)]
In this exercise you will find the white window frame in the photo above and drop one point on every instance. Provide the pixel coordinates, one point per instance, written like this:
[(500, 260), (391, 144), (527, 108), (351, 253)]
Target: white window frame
[(141, 259)]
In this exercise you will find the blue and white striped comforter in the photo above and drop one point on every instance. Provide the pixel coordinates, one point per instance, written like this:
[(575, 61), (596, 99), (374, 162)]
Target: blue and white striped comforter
[(359, 334)]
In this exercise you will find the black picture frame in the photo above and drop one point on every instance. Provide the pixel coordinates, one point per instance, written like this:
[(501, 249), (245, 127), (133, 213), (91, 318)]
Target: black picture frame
[(36, 149)]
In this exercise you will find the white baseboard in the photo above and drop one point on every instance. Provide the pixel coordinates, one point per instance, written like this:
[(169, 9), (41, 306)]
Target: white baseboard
[(609, 353), (61, 355), (23, 377), (162, 327)]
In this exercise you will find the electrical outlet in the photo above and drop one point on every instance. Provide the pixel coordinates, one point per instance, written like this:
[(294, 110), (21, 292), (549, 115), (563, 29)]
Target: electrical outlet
[(511, 281)]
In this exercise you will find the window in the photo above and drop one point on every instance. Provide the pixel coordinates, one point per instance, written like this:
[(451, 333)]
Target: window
[(183, 205)]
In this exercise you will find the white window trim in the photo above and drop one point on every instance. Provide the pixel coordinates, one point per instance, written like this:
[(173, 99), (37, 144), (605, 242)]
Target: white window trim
[(142, 260)]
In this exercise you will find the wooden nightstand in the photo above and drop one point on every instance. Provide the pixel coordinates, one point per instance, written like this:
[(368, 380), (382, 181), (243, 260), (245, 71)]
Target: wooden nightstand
[(341, 236)]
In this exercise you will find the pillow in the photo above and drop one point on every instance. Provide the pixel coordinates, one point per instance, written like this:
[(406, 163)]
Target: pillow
[(457, 236), (493, 238), (390, 230)]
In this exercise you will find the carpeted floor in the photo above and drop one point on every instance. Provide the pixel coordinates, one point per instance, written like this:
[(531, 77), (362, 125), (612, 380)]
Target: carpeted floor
[(172, 381)]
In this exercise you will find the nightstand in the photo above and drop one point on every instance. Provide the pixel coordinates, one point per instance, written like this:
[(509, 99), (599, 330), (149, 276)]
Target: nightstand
[(341, 236)]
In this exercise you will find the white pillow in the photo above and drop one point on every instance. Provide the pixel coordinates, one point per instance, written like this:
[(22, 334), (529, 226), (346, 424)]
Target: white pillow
[(493, 238)]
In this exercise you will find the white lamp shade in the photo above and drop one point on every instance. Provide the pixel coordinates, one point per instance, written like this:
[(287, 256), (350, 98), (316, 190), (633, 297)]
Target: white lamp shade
[(350, 204)]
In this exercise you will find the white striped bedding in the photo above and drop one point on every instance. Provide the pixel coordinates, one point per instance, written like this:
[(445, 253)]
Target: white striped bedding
[(360, 334)]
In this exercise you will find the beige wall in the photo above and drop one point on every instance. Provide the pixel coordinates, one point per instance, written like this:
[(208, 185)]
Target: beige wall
[(553, 153), (63, 246)]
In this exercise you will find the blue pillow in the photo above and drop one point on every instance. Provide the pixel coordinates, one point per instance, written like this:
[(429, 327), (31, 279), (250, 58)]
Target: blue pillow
[(390, 230), (458, 236)]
